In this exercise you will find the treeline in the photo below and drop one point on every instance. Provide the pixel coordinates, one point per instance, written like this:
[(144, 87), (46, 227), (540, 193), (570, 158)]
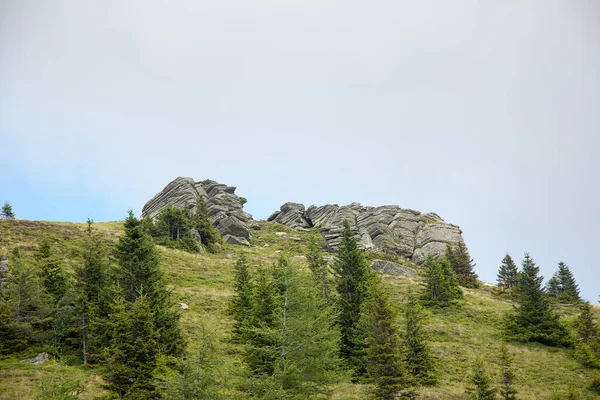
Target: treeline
[(183, 229)]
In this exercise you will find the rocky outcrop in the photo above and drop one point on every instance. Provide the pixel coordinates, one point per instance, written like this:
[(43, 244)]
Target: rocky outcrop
[(391, 268), (225, 208), (3, 270), (37, 360), (391, 229)]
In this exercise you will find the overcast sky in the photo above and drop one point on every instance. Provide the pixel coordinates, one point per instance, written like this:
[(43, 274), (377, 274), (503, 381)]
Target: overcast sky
[(485, 112)]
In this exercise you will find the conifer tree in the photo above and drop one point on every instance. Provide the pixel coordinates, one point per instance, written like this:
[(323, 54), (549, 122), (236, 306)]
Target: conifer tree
[(139, 274), (480, 380), (241, 305), (533, 320), (442, 287), (318, 266), (50, 268), (384, 365), (507, 390), (508, 274), (209, 234), (91, 282), (562, 287), (352, 277), (462, 265), (131, 356), (420, 363), (587, 345), (7, 211)]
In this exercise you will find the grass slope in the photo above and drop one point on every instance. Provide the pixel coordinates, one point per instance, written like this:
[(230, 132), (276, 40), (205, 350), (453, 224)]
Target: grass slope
[(459, 336)]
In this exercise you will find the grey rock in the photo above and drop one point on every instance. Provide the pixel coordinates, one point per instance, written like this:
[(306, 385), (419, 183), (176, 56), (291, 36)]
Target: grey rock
[(236, 240), (39, 359), (391, 268), (3, 270), (254, 225), (225, 208), (404, 232), (280, 234), (295, 238)]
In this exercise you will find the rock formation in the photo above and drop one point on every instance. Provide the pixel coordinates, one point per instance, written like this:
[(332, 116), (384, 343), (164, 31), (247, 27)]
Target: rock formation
[(392, 268), (404, 232), (3, 270), (225, 208)]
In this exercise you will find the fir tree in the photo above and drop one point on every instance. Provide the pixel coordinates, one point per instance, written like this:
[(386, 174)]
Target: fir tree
[(442, 287), (420, 363), (382, 356), (139, 274), (241, 305), (587, 346), (533, 320), (508, 274), (562, 287), (7, 211), (352, 276), (50, 267), (132, 355), (507, 390), (209, 234), (462, 265), (318, 266), (481, 389)]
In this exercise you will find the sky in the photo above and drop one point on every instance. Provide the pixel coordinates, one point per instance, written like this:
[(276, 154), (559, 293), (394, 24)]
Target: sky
[(485, 112)]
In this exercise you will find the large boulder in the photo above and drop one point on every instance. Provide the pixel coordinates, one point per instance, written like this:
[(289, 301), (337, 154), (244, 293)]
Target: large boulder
[(225, 208), (3, 270), (391, 268), (406, 233)]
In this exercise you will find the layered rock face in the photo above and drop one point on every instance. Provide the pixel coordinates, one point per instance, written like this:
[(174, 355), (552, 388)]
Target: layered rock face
[(407, 233), (225, 208)]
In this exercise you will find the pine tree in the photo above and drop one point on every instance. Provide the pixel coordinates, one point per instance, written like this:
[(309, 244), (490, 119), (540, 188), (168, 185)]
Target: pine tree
[(562, 287), (507, 274), (384, 365), (91, 282), (420, 363), (318, 266), (442, 287), (462, 265), (507, 391), (533, 320), (139, 274), (352, 276), (241, 305), (131, 357), (481, 389), (7, 211), (50, 267)]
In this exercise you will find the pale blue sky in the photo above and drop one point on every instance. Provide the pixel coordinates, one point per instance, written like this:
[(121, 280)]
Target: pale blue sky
[(485, 112)]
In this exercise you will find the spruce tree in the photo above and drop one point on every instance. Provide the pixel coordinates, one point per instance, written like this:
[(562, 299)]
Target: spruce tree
[(7, 211), (442, 287), (209, 234), (462, 265), (420, 362), (384, 365), (507, 390), (51, 271), (587, 345), (241, 304), (481, 389), (318, 266), (352, 276), (139, 273), (533, 320), (507, 274), (562, 287)]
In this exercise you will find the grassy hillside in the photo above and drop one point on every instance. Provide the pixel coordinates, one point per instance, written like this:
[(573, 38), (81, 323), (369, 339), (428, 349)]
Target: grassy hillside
[(204, 282)]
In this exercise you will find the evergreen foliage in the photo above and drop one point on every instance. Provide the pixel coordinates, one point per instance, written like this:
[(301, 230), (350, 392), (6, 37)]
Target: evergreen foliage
[(51, 270), (318, 267), (139, 274), (7, 211), (507, 390), (562, 287), (384, 365), (242, 302), (420, 362), (60, 389), (442, 287), (209, 234), (533, 320), (508, 274), (587, 346), (173, 228), (352, 277), (481, 389), (462, 265)]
